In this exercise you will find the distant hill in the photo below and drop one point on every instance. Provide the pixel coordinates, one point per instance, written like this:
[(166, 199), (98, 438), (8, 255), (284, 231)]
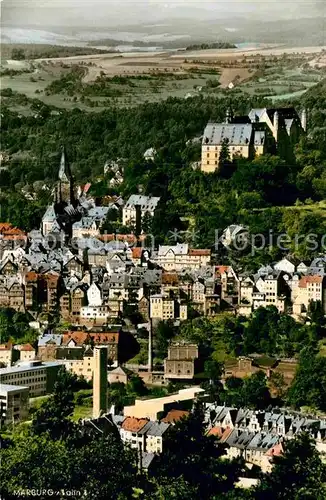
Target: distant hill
[(38, 51)]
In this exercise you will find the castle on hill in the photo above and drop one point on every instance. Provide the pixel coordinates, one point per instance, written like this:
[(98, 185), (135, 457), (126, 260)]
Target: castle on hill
[(263, 130)]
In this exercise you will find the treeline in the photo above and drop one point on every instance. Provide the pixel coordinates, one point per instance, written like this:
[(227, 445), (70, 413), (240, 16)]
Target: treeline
[(40, 51), (72, 83), (214, 45)]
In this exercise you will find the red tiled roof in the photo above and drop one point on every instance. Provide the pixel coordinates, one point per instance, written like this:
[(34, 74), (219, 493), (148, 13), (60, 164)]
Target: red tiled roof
[(80, 338), (4, 226), (25, 347), (275, 451), (31, 276), (170, 278), (226, 434), (136, 252), (199, 252), (175, 416), (5, 347), (133, 424), (221, 269), (215, 431), (305, 280), (8, 231), (129, 238)]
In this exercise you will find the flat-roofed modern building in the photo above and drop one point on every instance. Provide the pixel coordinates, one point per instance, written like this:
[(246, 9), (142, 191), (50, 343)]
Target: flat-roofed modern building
[(39, 377), (13, 403)]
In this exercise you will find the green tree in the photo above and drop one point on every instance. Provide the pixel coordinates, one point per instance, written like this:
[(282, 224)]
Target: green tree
[(224, 158), (254, 393), (54, 415), (99, 466), (309, 384), (17, 54), (198, 461)]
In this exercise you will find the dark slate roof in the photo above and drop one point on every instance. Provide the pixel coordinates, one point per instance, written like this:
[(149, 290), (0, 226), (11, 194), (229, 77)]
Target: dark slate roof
[(235, 134), (147, 459), (154, 428)]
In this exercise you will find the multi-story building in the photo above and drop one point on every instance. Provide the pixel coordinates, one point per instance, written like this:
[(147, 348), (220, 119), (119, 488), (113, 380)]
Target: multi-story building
[(13, 403), (182, 361), (162, 307), (263, 130), (16, 295), (238, 138), (7, 354), (310, 289), (180, 257), (82, 338), (38, 376), (131, 432), (31, 281), (148, 205), (26, 352)]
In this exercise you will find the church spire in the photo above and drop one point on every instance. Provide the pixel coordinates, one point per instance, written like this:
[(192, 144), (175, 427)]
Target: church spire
[(65, 190), (64, 170)]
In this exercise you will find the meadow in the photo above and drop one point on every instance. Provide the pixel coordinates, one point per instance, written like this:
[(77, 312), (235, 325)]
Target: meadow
[(96, 81)]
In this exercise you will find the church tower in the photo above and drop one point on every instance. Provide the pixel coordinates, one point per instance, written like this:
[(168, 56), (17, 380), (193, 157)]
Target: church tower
[(65, 186), (66, 206)]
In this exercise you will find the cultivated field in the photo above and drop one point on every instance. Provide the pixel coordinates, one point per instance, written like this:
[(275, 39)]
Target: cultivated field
[(272, 71)]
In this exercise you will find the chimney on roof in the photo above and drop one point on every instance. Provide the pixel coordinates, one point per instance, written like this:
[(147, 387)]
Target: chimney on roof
[(138, 223)]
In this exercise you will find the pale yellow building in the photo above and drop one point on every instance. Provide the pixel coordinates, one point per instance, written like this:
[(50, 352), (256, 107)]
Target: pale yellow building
[(161, 307), (82, 367), (151, 408), (238, 138), (310, 289), (263, 130), (180, 256)]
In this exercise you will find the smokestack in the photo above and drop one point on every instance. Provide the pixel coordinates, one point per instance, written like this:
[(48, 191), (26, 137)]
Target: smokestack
[(138, 223), (150, 345), (100, 381)]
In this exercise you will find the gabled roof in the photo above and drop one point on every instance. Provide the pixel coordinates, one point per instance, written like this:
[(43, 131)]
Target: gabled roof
[(118, 371), (174, 416), (307, 280), (146, 202), (179, 249), (153, 428), (80, 337), (24, 347), (216, 431)]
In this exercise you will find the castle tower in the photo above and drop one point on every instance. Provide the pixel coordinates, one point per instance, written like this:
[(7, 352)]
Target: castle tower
[(276, 125), (100, 381), (304, 119)]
